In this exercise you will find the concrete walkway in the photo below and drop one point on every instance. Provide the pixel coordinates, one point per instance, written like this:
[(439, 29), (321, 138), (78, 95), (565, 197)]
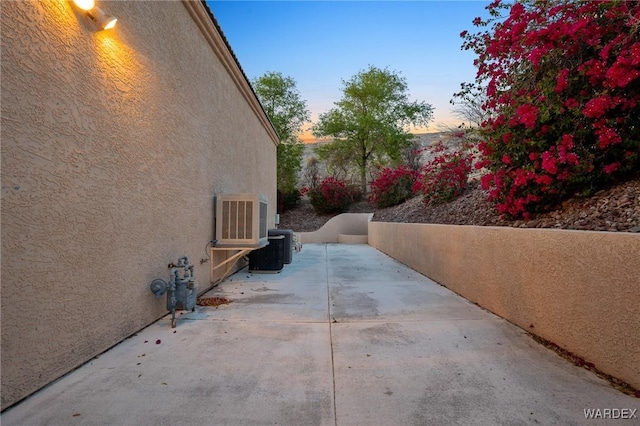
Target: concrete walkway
[(343, 336)]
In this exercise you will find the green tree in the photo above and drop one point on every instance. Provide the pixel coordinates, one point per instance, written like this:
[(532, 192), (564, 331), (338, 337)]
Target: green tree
[(288, 112), (337, 156), (372, 119)]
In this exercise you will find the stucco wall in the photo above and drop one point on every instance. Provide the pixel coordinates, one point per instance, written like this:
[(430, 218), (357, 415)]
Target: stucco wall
[(343, 227), (578, 289), (113, 145)]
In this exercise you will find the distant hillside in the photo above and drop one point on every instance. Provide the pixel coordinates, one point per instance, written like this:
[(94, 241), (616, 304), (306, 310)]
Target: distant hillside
[(424, 139)]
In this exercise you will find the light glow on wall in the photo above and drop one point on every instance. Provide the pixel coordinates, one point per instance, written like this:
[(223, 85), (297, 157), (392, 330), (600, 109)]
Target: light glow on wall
[(85, 4)]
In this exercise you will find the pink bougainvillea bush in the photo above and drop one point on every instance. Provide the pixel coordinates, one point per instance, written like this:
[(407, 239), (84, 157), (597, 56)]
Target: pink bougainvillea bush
[(333, 196), (392, 186), (445, 176), (562, 80)]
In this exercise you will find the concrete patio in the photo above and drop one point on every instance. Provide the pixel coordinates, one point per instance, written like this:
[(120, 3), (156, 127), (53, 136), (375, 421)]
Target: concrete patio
[(344, 335)]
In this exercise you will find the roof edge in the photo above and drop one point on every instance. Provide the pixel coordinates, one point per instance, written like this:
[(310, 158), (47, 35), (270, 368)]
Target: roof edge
[(206, 22)]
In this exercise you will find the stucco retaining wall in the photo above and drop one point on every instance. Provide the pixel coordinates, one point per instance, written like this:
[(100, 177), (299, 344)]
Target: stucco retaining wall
[(348, 228), (578, 289), (113, 146)]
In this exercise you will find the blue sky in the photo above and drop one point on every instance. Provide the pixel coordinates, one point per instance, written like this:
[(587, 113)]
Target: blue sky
[(322, 43)]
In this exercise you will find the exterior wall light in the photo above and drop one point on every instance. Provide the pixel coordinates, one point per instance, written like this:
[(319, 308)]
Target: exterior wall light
[(85, 5), (103, 20)]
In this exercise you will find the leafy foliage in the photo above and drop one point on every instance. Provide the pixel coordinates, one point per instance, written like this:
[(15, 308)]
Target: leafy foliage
[(338, 157), (562, 81), (445, 176), (410, 156), (371, 120), (333, 196), (282, 103), (392, 186), (289, 164), (288, 112), (288, 200)]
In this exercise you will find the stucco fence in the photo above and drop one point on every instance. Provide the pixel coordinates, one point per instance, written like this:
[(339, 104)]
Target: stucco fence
[(577, 289), (346, 228)]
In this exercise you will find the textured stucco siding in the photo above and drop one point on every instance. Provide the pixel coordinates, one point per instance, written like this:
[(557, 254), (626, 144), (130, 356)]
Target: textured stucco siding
[(578, 289), (113, 145)]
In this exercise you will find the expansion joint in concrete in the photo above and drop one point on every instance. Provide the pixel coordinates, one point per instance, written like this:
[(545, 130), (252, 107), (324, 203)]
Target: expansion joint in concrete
[(330, 320)]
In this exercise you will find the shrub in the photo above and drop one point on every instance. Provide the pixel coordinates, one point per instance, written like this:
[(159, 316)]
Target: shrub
[(562, 81), (333, 196), (287, 200), (444, 177), (392, 186)]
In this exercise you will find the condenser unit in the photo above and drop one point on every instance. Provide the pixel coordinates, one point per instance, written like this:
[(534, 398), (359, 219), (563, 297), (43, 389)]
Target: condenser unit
[(241, 220)]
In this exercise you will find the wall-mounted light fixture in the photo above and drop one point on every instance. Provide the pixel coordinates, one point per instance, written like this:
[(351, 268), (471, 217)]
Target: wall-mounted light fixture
[(103, 20)]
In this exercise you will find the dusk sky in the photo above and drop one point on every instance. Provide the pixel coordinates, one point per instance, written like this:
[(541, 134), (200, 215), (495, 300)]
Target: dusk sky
[(321, 43)]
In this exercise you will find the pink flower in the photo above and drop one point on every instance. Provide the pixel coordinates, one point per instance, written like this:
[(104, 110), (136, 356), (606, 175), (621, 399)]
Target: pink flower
[(572, 158), (610, 168), (516, 10), (549, 163), (536, 55), (607, 136), (486, 181), (635, 54), (544, 180), (567, 141), (527, 114), (571, 103), (620, 75), (596, 107), (563, 81)]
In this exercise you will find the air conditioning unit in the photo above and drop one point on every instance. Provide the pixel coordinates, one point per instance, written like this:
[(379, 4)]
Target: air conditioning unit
[(241, 220)]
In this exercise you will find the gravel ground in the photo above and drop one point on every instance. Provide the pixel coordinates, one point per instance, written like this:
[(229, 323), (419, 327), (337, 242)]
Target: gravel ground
[(616, 209)]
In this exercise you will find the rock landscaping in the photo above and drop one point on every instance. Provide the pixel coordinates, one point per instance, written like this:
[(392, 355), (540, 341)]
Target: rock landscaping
[(616, 209)]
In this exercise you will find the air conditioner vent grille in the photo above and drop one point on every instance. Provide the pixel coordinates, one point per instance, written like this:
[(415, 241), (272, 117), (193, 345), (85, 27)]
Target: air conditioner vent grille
[(263, 220), (239, 217), (237, 221)]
